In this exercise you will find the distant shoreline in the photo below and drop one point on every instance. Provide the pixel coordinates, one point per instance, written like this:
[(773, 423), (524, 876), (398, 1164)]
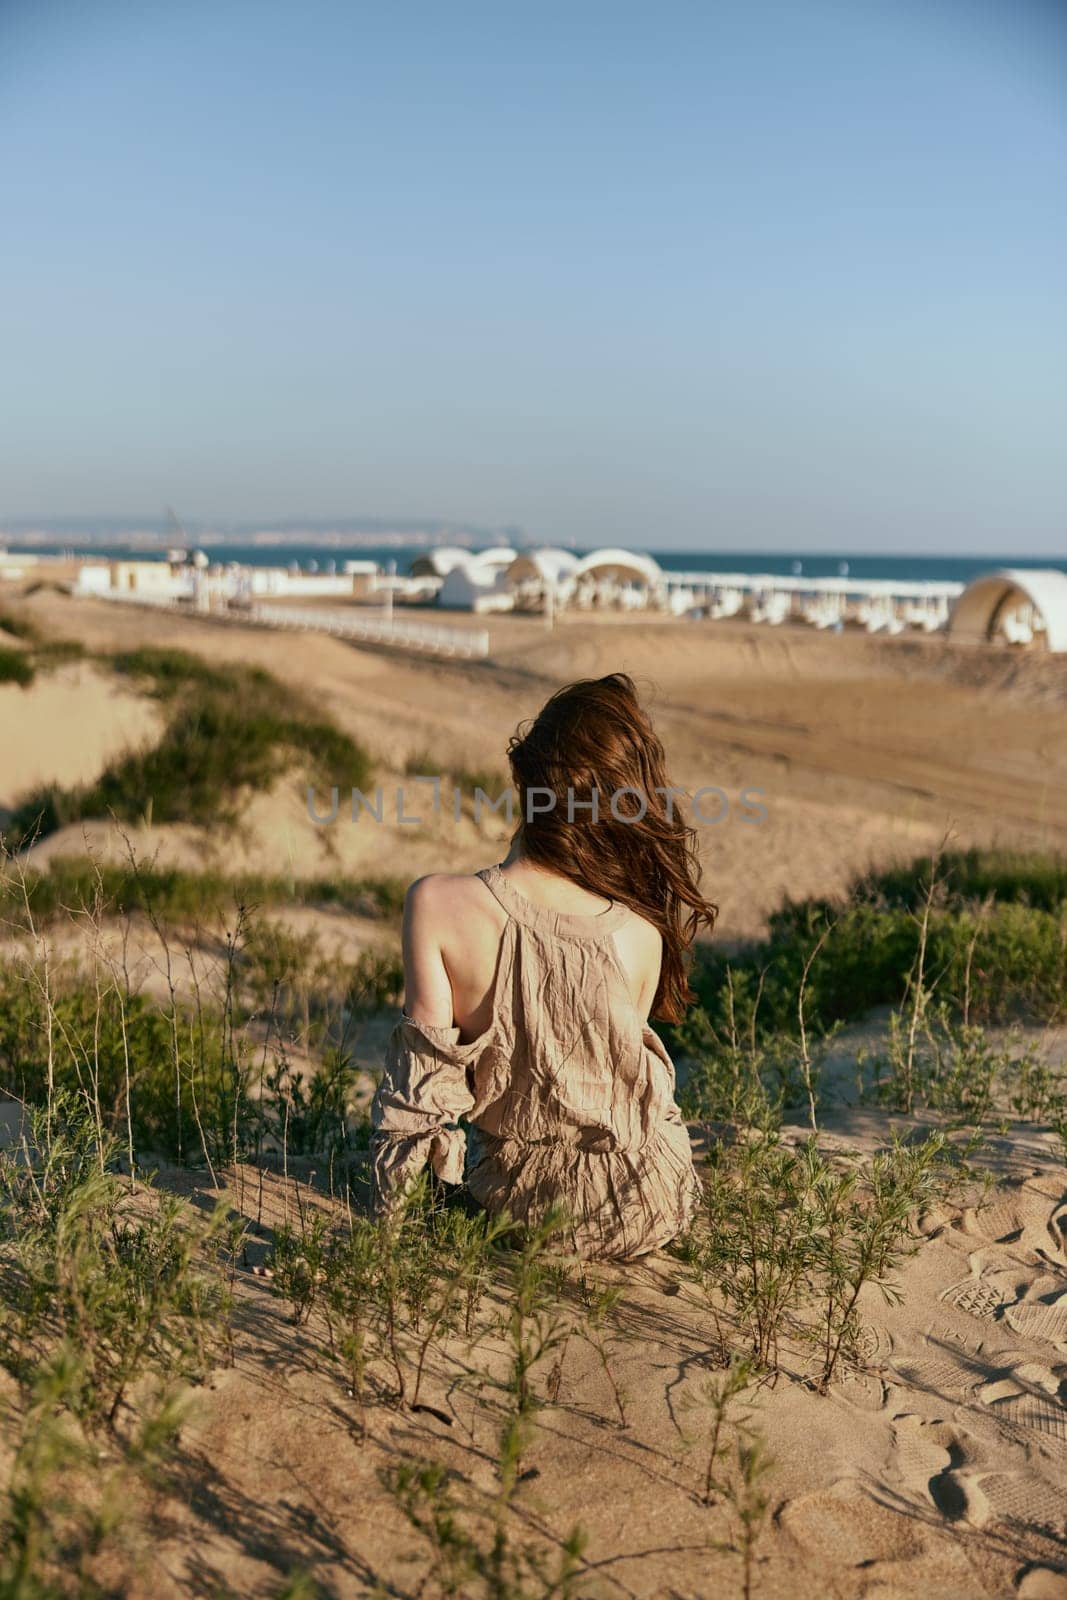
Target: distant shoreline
[(814, 564)]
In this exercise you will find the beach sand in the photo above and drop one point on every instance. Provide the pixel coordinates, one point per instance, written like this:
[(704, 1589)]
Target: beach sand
[(941, 1466)]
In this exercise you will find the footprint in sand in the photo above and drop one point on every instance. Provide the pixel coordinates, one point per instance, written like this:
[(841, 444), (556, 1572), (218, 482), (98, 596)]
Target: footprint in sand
[(936, 1375), (1044, 1416), (1028, 1395), (1041, 1316), (865, 1390), (921, 1447), (894, 1557), (1028, 1216), (932, 1460), (1035, 1307), (859, 1386), (985, 1293), (1024, 1501), (976, 1296), (843, 1525), (1057, 1227), (874, 1344), (1041, 1583)]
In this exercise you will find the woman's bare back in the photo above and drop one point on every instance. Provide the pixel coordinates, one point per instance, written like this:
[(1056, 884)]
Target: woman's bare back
[(453, 927)]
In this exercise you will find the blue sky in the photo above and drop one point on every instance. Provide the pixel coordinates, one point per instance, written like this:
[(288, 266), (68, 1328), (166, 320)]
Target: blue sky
[(771, 273)]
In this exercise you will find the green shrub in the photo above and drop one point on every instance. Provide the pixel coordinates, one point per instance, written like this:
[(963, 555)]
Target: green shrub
[(50, 653), (85, 1258), (1005, 959), (167, 671), (472, 1550), (786, 1239), (228, 730), (207, 1072), (114, 1051), (1005, 875), (424, 765), (15, 667)]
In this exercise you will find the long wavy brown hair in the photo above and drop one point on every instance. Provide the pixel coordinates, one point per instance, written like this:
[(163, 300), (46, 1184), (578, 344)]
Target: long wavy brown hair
[(595, 736)]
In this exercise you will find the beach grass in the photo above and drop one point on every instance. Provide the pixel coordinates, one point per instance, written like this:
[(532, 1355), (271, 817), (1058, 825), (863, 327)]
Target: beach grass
[(182, 895)]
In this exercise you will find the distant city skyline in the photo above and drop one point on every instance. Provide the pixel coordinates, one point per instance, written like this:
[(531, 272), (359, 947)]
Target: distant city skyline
[(87, 532), (743, 275)]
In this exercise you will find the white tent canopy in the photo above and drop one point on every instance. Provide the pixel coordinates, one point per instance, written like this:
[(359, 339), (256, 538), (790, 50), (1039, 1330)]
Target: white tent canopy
[(547, 565), (438, 563), (475, 586), (496, 556), (620, 566), (988, 600)]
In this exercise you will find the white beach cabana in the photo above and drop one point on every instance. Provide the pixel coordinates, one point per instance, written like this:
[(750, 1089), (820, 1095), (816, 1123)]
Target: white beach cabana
[(624, 579), (1013, 606), (536, 576), (439, 562), (477, 585), (496, 558)]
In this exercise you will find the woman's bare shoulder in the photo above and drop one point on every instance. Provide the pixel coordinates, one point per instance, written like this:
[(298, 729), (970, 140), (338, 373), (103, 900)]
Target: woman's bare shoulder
[(444, 895), (640, 943), (643, 934)]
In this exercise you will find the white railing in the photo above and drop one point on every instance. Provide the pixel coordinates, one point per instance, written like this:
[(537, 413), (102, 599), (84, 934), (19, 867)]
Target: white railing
[(138, 597), (375, 630), (396, 631)]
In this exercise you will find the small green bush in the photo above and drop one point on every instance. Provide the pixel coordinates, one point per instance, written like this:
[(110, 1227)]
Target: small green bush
[(51, 653), (15, 667), (104, 1048), (424, 765), (206, 1073), (786, 1239), (1015, 955)]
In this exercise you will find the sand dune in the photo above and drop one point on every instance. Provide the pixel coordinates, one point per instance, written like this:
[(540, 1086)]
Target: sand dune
[(65, 728)]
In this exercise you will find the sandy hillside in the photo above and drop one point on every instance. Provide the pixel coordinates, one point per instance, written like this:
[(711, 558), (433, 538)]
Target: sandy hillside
[(864, 750)]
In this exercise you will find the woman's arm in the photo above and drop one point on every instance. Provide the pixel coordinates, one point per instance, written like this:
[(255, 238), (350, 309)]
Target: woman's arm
[(427, 990), (640, 950), (424, 1090)]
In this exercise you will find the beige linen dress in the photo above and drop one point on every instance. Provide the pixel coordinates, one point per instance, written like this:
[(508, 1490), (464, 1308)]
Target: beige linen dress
[(569, 1094)]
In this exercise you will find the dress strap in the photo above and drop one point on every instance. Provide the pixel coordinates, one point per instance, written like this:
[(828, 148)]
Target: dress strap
[(564, 924)]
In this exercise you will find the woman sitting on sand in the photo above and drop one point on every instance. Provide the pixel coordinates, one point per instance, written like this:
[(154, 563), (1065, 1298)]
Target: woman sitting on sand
[(529, 985)]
